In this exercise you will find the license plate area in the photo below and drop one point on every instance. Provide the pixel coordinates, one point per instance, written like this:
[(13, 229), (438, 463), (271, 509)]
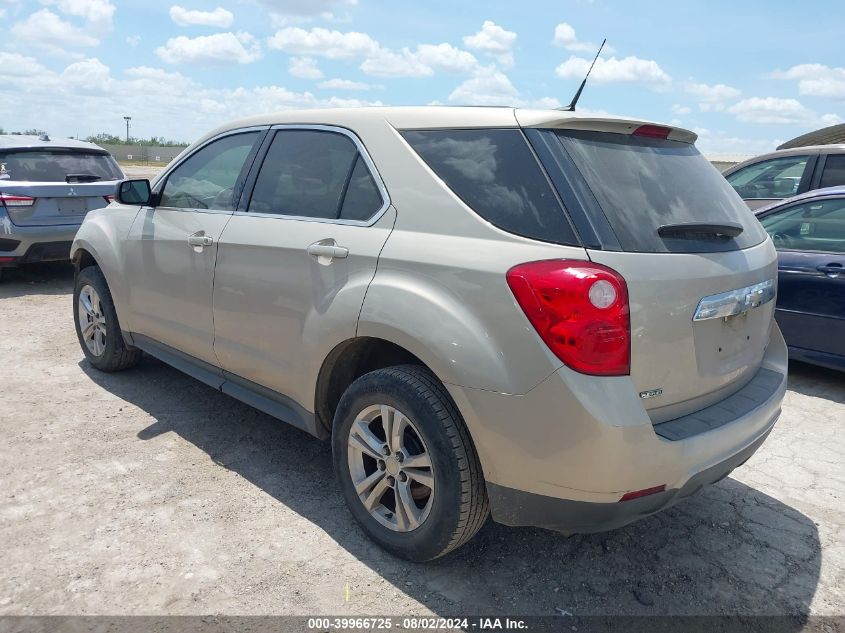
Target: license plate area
[(72, 206), (724, 346)]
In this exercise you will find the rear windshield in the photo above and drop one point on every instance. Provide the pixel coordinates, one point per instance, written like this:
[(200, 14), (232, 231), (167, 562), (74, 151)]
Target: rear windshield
[(644, 183), (56, 165), (496, 174)]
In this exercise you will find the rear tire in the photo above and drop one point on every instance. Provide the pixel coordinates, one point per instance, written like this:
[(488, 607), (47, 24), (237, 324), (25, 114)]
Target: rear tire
[(97, 327), (424, 486)]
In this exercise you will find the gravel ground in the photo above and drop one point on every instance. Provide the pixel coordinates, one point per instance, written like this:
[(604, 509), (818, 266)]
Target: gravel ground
[(146, 492)]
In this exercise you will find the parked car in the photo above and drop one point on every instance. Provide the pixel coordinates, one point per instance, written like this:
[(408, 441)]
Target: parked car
[(809, 234), (786, 173), (485, 309), (46, 188)]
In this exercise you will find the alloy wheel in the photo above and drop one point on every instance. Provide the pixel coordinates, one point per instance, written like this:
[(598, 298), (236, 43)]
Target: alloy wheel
[(391, 468), (92, 320)]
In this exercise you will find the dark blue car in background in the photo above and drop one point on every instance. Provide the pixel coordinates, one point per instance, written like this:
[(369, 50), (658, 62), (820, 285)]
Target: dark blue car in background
[(809, 234)]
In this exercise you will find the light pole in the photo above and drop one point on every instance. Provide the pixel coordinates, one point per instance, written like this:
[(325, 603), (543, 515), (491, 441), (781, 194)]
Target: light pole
[(127, 119)]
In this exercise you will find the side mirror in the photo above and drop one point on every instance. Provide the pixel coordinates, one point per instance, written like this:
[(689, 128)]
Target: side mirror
[(134, 192)]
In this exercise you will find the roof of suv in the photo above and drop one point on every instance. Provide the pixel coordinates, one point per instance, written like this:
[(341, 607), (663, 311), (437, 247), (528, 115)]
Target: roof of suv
[(25, 141), (433, 117)]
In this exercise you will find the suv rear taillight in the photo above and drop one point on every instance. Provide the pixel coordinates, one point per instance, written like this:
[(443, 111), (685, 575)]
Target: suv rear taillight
[(13, 200), (580, 310)]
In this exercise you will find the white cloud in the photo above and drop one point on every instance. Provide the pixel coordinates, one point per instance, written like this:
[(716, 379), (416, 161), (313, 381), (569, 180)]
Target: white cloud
[(344, 84), (86, 98), (133, 40), (98, 13), (323, 43), (679, 109), (627, 69), (712, 97), (493, 40), (219, 48), (304, 8), (565, 38), (304, 68), (219, 17), (777, 111), (489, 87), (44, 29), (387, 63), (714, 144), (446, 57), (816, 80)]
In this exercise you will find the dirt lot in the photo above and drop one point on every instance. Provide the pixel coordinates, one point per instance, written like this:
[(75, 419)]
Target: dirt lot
[(148, 492)]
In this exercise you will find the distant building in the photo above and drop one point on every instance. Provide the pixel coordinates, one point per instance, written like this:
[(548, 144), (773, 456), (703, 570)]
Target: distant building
[(825, 136)]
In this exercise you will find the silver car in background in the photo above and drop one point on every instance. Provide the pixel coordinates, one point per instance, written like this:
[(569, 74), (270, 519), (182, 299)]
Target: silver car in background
[(47, 186)]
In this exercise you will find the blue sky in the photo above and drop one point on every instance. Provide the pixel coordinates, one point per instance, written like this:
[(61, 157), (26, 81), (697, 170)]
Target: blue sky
[(745, 76)]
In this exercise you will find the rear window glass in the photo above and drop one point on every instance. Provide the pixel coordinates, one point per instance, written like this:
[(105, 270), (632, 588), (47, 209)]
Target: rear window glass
[(642, 184), (56, 166), (495, 173), (834, 171)]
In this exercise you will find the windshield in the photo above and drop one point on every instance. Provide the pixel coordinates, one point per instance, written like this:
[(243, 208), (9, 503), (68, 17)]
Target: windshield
[(644, 183), (56, 165)]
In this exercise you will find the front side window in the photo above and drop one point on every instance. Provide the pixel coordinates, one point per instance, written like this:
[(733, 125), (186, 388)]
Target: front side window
[(207, 179), (59, 165), (775, 178), (495, 173), (315, 174), (811, 226), (834, 171)]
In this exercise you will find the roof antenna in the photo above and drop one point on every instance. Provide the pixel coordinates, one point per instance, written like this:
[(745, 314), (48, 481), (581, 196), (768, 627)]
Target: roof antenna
[(571, 106)]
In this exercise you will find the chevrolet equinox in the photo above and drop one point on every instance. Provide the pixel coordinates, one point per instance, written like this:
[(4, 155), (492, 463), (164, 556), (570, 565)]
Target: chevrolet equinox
[(563, 320)]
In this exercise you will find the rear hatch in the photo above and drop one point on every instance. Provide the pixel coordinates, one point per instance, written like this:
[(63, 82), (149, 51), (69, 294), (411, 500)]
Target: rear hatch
[(699, 269), (55, 186)]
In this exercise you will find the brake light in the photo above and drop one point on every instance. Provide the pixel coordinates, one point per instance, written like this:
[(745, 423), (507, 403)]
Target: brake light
[(12, 200), (580, 310), (653, 131)]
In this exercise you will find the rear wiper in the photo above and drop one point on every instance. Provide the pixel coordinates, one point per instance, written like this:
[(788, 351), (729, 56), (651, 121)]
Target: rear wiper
[(692, 229), (82, 178)]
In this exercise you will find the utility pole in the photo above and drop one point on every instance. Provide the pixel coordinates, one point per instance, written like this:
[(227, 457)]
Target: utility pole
[(127, 119)]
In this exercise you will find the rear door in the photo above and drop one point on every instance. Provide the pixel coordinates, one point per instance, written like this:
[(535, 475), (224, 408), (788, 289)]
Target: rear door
[(810, 238), (295, 261), (633, 199), (55, 186), (831, 171), (171, 249)]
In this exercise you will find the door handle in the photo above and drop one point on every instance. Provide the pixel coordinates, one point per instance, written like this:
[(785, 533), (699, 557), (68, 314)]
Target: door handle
[(831, 270), (327, 249), (200, 240)]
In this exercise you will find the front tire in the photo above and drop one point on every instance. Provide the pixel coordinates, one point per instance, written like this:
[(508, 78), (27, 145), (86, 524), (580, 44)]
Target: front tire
[(96, 322), (406, 464)]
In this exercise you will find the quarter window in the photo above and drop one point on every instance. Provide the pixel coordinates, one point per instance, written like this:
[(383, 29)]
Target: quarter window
[(315, 174), (776, 178), (834, 171), (495, 173), (208, 178), (812, 226)]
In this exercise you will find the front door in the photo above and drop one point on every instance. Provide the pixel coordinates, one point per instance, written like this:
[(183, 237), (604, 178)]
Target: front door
[(293, 266), (810, 238), (171, 249)]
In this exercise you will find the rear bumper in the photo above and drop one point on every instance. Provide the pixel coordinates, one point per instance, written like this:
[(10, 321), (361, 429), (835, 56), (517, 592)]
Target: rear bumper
[(29, 244), (520, 508), (563, 455)]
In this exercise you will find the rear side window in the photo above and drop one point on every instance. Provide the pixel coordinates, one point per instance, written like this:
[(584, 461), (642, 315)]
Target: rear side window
[(495, 173), (315, 174), (834, 171), (57, 165), (642, 184), (775, 178)]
